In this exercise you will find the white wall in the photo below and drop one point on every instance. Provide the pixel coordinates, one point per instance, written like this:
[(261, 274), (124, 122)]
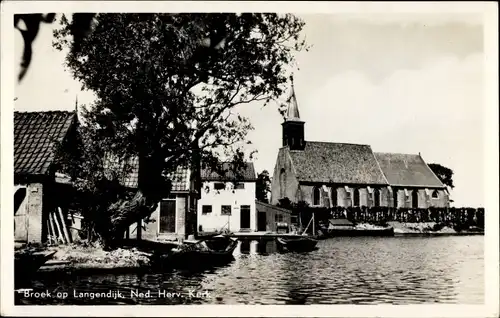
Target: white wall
[(214, 221)]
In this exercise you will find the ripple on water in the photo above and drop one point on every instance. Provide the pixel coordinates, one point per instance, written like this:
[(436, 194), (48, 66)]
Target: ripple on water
[(342, 271)]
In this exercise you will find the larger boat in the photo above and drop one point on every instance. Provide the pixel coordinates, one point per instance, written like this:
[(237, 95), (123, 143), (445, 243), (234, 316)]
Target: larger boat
[(27, 263), (298, 243)]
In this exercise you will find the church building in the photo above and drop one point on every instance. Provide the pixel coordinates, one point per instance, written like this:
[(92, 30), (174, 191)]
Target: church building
[(328, 174)]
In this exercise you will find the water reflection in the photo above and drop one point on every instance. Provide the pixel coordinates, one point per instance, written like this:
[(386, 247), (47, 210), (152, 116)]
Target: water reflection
[(342, 271)]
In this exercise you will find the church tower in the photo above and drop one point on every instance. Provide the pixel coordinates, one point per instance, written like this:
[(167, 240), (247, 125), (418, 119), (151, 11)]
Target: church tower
[(293, 127)]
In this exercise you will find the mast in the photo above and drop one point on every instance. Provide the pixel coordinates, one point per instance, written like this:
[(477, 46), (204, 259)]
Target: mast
[(314, 221)]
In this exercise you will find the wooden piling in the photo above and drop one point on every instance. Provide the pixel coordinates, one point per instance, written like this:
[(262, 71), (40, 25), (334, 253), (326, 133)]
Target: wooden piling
[(65, 229)]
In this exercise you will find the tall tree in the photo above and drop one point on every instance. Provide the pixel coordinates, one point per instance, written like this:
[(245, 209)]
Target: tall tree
[(443, 173), (166, 85), (263, 186)]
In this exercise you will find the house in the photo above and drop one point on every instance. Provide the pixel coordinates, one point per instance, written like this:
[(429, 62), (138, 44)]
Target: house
[(174, 216), (329, 174), (227, 199), (413, 183), (38, 189), (270, 217)]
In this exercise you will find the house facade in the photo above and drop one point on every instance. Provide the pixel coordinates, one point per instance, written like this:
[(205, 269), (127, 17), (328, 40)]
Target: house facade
[(227, 201), (329, 174), (175, 214), (270, 217), (38, 191)]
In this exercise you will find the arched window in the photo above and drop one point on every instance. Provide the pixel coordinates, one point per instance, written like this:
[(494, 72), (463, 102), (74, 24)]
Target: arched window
[(356, 197), (435, 194), (333, 191), (414, 198), (316, 196), (376, 197), (282, 183)]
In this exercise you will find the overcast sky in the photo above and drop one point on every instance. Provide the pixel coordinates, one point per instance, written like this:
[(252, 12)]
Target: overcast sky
[(400, 83)]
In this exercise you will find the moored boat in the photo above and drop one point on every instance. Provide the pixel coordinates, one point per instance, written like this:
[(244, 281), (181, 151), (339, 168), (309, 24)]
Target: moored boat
[(27, 263), (201, 253), (299, 243)]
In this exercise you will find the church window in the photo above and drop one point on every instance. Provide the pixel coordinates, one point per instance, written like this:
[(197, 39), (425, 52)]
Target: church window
[(435, 194), (316, 196), (333, 191), (282, 183), (356, 197), (376, 197)]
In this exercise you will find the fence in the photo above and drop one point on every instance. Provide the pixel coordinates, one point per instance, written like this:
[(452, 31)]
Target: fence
[(456, 217)]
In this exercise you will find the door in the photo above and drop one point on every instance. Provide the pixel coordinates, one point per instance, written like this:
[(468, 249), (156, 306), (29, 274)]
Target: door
[(20, 216), (167, 216), (261, 221), (245, 217)]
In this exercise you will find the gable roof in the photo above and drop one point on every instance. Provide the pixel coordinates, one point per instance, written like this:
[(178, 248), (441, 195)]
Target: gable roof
[(407, 170), (35, 136), (265, 207), (180, 177), (246, 173), (329, 162)]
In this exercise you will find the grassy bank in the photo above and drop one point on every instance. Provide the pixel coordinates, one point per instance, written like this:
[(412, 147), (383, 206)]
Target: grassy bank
[(81, 257)]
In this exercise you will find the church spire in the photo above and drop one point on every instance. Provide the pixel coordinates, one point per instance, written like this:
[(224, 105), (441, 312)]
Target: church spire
[(293, 127), (292, 113)]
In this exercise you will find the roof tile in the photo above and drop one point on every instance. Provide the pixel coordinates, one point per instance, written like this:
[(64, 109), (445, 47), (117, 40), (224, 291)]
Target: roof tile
[(35, 134), (244, 174), (407, 170), (329, 162)]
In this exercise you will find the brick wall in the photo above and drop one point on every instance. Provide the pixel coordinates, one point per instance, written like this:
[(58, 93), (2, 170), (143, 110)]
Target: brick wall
[(34, 209), (284, 183), (151, 231), (424, 200)]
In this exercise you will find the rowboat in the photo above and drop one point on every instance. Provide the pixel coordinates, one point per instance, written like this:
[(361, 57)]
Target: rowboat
[(27, 263), (200, 253), (299, 243)]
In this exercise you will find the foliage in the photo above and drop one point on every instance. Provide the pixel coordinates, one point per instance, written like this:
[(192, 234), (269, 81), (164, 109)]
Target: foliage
[(166, 85), (285, 203), (263, 186), (79, 28), (443, 173)]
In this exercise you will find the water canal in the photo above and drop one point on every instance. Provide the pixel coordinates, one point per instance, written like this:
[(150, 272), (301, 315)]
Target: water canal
[(357, 270)]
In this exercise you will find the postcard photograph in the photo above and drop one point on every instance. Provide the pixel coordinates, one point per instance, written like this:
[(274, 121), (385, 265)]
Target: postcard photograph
[(247, 156)]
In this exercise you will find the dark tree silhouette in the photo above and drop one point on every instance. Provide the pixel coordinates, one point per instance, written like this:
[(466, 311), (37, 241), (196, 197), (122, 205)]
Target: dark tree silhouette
[(165, 87), (263, 186), (443, 173)]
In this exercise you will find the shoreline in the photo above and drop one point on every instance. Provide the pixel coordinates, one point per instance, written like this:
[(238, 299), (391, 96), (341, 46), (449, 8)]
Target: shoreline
[(81, 259)]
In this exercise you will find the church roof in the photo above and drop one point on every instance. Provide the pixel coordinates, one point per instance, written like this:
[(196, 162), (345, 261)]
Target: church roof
[(329, 162), (407, 170)]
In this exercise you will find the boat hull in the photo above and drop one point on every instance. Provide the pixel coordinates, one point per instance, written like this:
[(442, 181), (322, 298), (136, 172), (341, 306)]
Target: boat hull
[(296, 244), (27, 264), (215, 253), (361, 232)]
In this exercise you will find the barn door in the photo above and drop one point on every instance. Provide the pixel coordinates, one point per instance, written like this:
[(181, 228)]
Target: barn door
[(167, 216), (20, 216)]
